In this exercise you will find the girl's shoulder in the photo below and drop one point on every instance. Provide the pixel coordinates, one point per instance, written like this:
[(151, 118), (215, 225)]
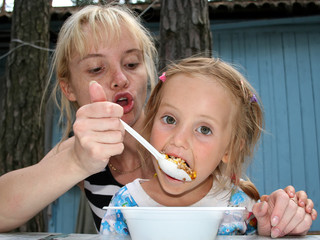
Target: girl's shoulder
[(123, 198), (239, 198)]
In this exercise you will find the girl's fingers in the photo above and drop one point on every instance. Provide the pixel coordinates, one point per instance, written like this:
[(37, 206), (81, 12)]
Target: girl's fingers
[(314, 214), (284, 221), (290, 191), (302, 198), (295, 221), (302, 227)]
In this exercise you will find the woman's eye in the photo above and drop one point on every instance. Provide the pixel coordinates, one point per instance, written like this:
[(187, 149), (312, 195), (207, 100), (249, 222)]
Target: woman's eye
[(95, 70), (204, 130), (169, 120), (132, 65)]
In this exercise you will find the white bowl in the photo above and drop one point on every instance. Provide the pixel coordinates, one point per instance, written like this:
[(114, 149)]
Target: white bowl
[(174, 223)]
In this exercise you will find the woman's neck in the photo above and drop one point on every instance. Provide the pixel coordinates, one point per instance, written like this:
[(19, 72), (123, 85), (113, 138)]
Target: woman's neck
[(130, 160)]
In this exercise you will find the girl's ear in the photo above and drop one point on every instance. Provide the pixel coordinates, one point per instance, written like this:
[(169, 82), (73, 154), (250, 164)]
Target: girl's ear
[(225, 158), (67, 90)]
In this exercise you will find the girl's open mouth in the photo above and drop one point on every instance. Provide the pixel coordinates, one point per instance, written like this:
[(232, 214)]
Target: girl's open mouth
[(182, 164)]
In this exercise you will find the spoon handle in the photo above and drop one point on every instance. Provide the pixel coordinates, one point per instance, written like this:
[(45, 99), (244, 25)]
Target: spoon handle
[(141, 140)]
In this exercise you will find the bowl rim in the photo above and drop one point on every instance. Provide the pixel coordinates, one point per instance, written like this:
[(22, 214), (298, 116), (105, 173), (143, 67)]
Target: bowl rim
[(177, 208)]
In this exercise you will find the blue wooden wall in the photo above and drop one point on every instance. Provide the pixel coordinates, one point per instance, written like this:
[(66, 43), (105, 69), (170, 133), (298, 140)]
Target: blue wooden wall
[(281, 58), (63, 212)]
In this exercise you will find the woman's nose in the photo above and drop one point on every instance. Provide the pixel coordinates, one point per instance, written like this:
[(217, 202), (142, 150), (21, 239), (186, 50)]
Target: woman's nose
[(119, 80)]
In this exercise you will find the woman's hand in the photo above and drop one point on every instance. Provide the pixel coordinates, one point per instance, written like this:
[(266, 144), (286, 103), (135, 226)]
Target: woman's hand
[(279, 215), (98, 131)]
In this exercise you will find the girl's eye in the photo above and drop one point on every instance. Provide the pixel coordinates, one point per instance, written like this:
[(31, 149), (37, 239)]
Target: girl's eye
[(204, 130), (169, 120)]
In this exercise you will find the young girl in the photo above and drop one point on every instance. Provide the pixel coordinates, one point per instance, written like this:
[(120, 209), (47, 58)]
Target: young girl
[(206, 113)]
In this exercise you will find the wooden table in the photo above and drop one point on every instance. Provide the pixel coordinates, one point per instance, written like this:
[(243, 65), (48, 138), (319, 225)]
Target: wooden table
[(58, 236)]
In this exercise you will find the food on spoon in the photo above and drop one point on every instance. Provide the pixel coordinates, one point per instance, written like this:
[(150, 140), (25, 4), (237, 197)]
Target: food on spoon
[(181, 164)]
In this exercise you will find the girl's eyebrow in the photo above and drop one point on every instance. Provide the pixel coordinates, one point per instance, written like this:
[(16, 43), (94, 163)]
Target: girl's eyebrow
[(216, 121)]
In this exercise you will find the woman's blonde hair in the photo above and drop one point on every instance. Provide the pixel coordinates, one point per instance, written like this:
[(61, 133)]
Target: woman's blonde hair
[(105, 22), (247, 123)]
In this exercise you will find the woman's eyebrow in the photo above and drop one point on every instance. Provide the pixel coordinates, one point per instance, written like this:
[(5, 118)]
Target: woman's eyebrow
[(91, 56), (94, 55), (133, 51)]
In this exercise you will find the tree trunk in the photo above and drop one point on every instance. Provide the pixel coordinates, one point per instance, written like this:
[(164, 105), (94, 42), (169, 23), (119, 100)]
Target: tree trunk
[(22, 124), (184, 30)]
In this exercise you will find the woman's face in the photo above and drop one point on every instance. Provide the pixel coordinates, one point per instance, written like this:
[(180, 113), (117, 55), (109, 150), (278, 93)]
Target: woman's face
[(118, 67), (193, 122)]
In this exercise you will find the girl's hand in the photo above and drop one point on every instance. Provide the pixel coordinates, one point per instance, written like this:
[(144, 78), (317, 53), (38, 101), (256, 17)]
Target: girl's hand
[(302, 200), (98, 131), (280, 215)]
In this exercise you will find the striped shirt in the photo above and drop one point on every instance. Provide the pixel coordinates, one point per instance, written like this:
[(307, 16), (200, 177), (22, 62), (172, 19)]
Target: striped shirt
[(99, 189)]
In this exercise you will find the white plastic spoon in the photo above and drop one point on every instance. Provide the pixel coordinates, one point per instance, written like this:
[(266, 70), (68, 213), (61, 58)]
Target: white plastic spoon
[(170, 168)]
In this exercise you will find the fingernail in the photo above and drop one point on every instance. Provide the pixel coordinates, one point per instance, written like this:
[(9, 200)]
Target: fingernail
[(291, 194), (92, 83), (301, 204), (275, 233), (274, 221), (262, 205)]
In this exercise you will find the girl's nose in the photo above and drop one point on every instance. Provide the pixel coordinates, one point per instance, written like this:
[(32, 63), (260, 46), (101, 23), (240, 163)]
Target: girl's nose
[(119, 80), (181, 138)]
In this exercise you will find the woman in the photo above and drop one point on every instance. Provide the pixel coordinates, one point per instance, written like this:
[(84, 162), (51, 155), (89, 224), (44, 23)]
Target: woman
[(107, 45)]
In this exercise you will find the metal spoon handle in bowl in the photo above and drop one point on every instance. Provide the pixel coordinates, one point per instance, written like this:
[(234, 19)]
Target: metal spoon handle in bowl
[(168, 167)]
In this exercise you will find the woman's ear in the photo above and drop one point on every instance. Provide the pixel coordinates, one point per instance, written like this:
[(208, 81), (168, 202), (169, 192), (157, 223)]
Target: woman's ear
[(67, 90)]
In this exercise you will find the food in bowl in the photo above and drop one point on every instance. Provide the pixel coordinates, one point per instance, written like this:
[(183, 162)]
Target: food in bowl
[(174, 223)]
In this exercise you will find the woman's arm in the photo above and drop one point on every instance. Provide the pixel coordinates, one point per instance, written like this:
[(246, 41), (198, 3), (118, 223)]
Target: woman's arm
[(27, 191), (98, 136)]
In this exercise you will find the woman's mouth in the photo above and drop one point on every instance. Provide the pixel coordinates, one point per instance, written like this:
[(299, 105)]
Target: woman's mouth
[(125, 100)]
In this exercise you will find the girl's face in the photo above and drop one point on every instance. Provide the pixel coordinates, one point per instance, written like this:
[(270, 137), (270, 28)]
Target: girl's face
[(116, 65), (193, 122)]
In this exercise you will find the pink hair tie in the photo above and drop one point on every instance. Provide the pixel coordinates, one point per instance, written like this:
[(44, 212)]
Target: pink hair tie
[(163, 77)]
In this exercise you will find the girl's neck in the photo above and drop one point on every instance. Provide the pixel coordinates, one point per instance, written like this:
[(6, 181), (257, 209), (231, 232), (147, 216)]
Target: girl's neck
[(156, 192), (129, 159)]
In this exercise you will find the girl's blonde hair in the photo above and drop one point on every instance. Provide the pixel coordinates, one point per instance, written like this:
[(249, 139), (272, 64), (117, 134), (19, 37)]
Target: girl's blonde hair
[(105, 22), (247, 123)]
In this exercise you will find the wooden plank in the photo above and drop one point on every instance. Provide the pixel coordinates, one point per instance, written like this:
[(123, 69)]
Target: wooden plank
[(293, 98), (279, 129), (308, 117), (314, 43), (266, 85), (255, 170)]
